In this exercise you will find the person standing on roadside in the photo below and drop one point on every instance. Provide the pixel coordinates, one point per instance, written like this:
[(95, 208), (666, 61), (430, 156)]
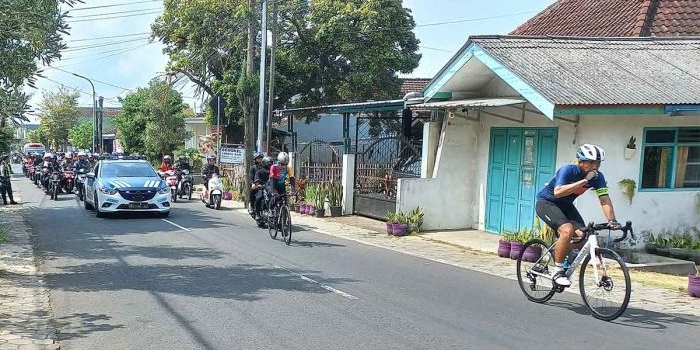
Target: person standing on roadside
[(5, 184)]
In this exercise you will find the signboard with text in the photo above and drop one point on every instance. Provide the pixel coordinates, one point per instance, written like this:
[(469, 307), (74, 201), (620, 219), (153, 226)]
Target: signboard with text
[(232, 154)]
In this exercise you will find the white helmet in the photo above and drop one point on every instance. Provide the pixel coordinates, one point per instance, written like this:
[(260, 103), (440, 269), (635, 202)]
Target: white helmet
[(283, 158), (590, 152), (82, 154), (47, 155)]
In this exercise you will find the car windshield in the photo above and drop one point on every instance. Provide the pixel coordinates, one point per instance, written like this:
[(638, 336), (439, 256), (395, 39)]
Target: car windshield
[(127, 169)]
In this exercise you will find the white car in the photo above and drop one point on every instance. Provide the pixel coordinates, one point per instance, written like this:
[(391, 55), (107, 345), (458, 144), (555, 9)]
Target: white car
[(126, 186)]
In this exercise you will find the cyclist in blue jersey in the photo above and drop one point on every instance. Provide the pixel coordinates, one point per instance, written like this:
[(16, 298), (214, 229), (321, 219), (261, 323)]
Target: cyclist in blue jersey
[(555, 202)]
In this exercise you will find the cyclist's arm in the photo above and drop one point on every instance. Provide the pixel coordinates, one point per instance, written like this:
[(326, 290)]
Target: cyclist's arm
[(607, 206), (564, 183)]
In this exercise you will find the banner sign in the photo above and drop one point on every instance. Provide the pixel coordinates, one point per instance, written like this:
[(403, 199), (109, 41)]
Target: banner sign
[(232, 154)]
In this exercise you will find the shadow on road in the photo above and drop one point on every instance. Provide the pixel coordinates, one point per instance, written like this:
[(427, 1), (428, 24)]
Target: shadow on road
[(82, 325)]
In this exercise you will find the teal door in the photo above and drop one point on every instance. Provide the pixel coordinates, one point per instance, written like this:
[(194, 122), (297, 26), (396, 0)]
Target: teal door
[(520, 161)]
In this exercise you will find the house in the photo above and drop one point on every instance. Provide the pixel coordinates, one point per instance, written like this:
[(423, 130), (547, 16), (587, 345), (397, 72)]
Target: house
[(198, 127), (517, 107), (615, 18)]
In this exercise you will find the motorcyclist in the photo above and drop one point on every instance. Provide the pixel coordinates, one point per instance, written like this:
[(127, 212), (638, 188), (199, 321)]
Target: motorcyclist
[(209, 169), (67, 162), (262, 175), (82, 162), (166, 164), (182, 164), (257, 159), (49, 162), (91, 159)]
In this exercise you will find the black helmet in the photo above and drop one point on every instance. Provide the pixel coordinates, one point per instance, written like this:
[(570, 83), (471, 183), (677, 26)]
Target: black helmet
[(211, 157), (266, 162), (258, 155)]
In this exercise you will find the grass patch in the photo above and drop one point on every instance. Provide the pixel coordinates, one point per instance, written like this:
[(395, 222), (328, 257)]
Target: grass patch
[(672, 282), (4, 230)]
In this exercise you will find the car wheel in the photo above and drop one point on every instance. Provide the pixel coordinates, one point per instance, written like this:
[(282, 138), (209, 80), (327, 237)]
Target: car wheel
[(88, 206), (98, 213)]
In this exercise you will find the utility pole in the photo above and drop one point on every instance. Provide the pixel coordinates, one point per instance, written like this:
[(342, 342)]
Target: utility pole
[(94, 111), (271, 92), (99, 129), (218, 130), (263, 61), (247, 100)]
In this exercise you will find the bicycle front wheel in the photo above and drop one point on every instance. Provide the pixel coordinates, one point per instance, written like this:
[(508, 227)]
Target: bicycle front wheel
[(272, 223), (534, 267), (605, 287), (285, 224)]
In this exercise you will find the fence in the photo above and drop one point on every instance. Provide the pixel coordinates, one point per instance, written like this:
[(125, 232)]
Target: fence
[(235, 175), (321, 172)]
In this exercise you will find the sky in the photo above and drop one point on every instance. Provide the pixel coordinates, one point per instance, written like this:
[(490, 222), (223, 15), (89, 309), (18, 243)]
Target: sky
[(109, 43)]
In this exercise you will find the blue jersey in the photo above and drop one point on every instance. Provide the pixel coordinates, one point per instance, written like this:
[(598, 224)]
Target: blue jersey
[(569, 174)]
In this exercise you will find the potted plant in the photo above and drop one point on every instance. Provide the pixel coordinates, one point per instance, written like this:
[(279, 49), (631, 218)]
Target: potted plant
[(650, 243), (390, 220), (521, 237), (400, 227), (504, 244), (544, 232), (662, 247), (694, 284), (678, 243), (532, 253), (335, 198), (311, 193), (414, 219), (627, 186), (320, 201), (631, 148)]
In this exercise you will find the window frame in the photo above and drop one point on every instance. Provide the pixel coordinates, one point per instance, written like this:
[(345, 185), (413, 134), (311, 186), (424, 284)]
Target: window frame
[(674, 145)]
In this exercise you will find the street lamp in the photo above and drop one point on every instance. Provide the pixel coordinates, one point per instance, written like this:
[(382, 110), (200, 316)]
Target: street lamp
[(94, 111)]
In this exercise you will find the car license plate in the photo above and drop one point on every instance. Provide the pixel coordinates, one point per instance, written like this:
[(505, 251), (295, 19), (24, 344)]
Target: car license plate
[(138, 205)]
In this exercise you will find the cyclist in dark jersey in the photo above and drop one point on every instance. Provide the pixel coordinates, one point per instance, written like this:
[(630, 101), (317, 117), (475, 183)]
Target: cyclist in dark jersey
[(555, 202)]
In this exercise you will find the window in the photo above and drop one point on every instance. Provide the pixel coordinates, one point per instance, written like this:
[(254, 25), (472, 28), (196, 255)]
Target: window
[(671, 158)]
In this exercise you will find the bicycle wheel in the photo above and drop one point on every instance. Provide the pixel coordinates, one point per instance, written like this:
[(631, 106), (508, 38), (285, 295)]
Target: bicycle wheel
[(534, 267), (286, 224), (272, 222), (605, 297)]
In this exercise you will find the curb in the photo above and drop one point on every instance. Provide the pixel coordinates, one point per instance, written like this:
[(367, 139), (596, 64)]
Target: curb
[(25, 318)]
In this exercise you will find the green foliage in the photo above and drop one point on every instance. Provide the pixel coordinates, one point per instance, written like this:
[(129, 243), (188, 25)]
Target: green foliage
[(81, 135), (414, 219), (320, 196), (152, 120), (627, 186), (335, 193), (195, 157), (390, 217), (13, 106), (509, 236), (59, 110), (311, 193), (7, 136), (36, 135), (525, 235), (544, 232)]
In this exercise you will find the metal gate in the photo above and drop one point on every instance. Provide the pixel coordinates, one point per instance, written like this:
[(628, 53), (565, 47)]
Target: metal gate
[(382, 157), (320, 161)]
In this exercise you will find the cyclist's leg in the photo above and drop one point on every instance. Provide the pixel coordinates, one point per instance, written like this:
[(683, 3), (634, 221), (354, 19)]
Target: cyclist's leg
[(557, 219)]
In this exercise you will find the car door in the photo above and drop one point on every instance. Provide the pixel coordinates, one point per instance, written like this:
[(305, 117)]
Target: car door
[(90, 184)]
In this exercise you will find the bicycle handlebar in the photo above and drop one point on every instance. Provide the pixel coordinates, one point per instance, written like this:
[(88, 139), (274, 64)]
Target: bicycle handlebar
[(592, 228)]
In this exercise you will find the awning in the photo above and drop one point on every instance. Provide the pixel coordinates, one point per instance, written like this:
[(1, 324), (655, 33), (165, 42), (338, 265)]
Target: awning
[(472, 103)]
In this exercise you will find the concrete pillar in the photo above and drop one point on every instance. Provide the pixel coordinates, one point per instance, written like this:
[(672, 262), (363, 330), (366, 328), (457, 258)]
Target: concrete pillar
[(348, 183), (293, 162), (431, 138)]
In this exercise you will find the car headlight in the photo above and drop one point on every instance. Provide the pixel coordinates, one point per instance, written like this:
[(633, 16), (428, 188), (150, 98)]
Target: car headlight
[(164, 190), (109, 191)]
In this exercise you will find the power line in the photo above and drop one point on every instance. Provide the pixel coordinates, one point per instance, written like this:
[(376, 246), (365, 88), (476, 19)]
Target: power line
[(93, 79), (107, 56), (436, 49), (113, 17), (92, 46), (114, 5), (110, 37), (94, 54), (116, 13)]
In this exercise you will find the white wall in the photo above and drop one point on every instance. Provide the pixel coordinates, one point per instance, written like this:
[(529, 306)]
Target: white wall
[(447, 197), (454, 196)]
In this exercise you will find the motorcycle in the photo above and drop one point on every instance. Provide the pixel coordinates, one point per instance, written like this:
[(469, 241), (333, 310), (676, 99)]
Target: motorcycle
[(80, 183), (212, 195), (184, 187), (55, 185), (171, 179), (70, 180)]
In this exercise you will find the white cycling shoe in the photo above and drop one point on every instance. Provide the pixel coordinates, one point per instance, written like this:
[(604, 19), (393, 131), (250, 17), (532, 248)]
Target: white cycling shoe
[(560, 279)]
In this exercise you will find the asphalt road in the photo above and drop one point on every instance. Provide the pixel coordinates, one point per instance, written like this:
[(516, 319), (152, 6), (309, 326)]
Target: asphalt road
[(222, 283)]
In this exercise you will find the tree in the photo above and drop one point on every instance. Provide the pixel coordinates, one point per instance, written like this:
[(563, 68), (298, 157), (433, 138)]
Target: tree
[(59, 110), (13, 105), (7, 137), (30, 32), (81, 135), (152, 120), (36, 136)]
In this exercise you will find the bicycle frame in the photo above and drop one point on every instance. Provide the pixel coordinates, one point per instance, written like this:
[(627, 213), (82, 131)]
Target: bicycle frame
[(589, 248)]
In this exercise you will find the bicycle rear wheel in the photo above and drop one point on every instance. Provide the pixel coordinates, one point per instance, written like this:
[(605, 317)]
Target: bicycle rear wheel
[(608, 296), (272, 222), (285, 224), (534, 266)]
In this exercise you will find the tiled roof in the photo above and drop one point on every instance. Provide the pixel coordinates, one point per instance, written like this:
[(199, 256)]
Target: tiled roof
[(615, 18), (413, 85), (585, 71)]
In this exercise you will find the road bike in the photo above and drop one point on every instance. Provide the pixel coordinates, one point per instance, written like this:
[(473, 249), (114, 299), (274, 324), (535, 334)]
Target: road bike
[(600, 279), (279, 218)]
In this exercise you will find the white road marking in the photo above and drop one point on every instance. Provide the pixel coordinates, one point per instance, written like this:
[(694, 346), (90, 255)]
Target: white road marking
[(176, 225), (326, 287)]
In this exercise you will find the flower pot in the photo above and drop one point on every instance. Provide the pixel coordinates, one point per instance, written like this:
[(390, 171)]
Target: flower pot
[(694, 285), (677, 253), (320, 213), (390, 228), (629, 153), (663, 251), (503, 249), (532, 253), (297, 208), (227, 196), (336, 211), (303, 208), (515, 249), (311, 210), (400, 229)]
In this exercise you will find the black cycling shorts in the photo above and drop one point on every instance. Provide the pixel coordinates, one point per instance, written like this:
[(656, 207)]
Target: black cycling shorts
[(556, 215)]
